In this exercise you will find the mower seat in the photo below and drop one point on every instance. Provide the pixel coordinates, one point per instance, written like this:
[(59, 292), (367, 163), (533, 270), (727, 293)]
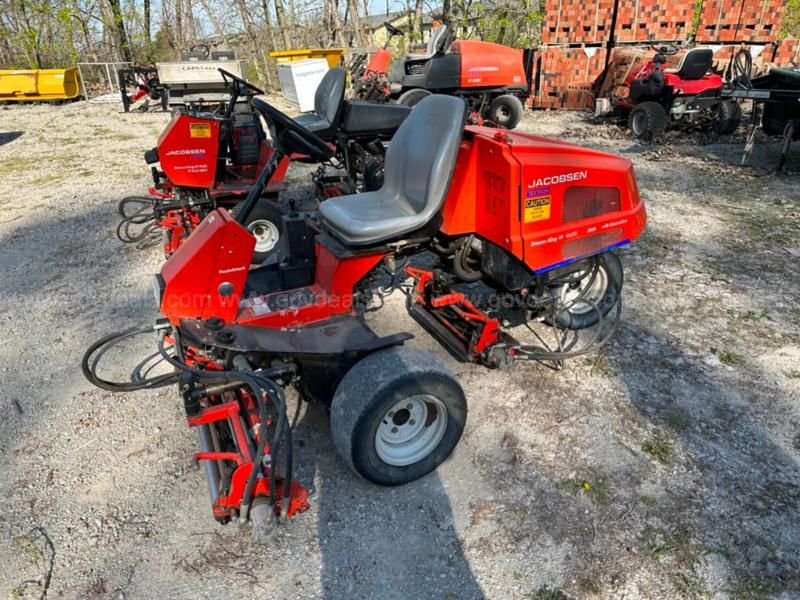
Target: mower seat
[(371, 118), (435, 44), (328, 100), (417, 170), (694, 64)]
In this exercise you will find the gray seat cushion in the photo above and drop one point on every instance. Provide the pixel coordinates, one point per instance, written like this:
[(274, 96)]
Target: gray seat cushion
[(417, 170), (328, 104)]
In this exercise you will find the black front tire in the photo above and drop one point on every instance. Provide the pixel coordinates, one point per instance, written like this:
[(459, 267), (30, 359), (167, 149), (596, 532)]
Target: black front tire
[(372, 388), (729, 116), (648, 121), (413, 96), (266, 224), (505, 111)]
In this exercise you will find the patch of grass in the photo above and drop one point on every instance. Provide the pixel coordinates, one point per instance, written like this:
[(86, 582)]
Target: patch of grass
[(29, 547), (689, 587), (752, 587), (677, 421), (659, 448), (518, 576), (755, 317), (679, 545), (589, 586), (85, 173), (19, 163), (793, 373), (547, 593), (599, 491), (45, 179), (602, 366), (122, 137), (731, 358), (648, 501)]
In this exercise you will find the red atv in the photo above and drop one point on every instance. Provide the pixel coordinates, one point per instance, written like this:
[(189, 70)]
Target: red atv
[(209, 160), (688, 94), (535, 220), (490, 77)]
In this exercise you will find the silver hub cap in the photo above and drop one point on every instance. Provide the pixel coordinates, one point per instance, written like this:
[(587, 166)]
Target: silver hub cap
[(583, 297), (266, 234), (411, 430)]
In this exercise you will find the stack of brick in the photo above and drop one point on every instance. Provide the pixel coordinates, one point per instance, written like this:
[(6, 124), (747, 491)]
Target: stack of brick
[(646, 20), (740, 21), (786, 54), (566, 76), (576, 21)]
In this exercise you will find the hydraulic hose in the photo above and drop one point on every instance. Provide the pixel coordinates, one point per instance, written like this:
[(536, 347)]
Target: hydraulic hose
[(92, 357)]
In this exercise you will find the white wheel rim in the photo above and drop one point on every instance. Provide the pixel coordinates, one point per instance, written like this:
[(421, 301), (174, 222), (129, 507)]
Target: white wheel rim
[(410, 430), (266, 234), (583, 297)]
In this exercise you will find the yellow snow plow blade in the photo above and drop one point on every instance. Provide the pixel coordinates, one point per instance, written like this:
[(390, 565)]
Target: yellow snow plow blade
[(39, 84)]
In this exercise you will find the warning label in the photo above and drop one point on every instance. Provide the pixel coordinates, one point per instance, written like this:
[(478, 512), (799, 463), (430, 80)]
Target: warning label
[(199, 130), (537, 209)]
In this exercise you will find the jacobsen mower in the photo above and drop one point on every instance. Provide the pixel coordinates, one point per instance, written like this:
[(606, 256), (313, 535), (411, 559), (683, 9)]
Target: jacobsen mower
[(210, 160), (528, 220), (689, 94), (490, 77)]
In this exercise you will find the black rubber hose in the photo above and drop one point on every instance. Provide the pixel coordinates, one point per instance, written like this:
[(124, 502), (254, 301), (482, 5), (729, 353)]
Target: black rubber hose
[(95, 352)]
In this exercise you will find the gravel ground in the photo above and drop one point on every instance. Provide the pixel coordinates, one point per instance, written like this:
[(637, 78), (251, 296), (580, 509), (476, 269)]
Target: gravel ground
[(665, 466)]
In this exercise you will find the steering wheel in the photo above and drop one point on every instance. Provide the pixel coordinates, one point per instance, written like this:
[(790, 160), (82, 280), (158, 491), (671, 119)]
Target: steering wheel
[(226, 75), (290, 136), (666, 50), (393, 31)]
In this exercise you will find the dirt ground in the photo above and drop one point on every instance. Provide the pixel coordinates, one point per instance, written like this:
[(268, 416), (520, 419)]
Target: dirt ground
[(665, 466)]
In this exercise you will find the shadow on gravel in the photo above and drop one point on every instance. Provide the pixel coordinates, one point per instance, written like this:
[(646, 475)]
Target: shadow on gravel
[(738, 511), (379, 542), (6, 137)]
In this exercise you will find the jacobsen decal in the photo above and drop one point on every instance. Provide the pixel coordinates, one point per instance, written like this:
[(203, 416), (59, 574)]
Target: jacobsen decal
[(562, 178)]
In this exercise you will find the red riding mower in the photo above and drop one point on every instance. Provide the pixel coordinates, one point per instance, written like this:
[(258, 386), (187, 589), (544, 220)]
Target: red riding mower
[(688, 94), (209, 160), (534, 220), (490, 77)]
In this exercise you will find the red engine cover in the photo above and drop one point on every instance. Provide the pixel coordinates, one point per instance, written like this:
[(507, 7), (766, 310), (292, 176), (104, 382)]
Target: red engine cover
[(484, 64), (188, 150), (544, 201)]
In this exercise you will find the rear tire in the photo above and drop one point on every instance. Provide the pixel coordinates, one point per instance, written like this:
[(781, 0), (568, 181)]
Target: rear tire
[(728, 118), (648, 121), (412, 97), (603, 291), (397, 415), (266, 224), (505, 111)]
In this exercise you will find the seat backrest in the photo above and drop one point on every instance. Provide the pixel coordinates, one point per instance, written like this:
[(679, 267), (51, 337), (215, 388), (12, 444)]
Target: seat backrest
[(436, 37), (695, 63), (422, 155), (329, 97)]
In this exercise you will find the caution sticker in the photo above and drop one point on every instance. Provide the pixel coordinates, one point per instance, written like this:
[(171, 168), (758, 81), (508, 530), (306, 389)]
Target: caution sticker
[(537, 209), (199, 130)]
